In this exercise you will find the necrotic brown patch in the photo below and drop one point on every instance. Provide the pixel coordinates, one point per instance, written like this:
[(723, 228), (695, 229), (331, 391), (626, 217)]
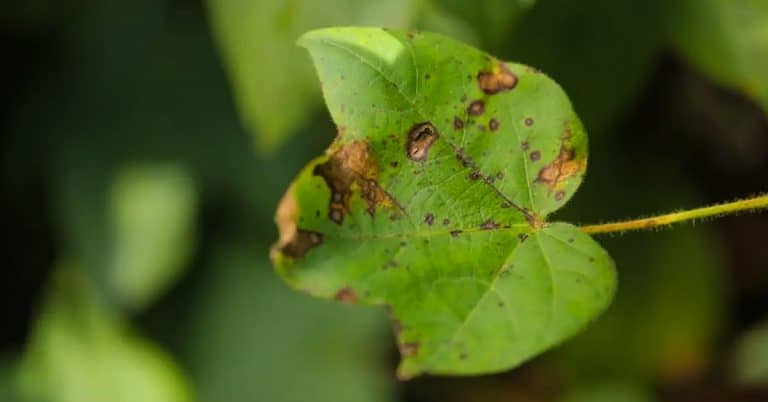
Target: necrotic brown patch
[(293, 242), (497, 80), (302, 242), (565, 166), (351, 164), (420, 138), (493, 124)]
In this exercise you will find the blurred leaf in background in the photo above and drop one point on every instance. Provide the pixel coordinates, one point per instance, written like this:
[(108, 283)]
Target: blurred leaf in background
[(750, 360), (153, 210), (725, 39), (492, 20), (245, 336), (79, 351), (610, 392)]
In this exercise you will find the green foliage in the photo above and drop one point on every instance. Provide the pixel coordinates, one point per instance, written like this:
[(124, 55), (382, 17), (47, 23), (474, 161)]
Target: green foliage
[(433, 200), (81, 352)]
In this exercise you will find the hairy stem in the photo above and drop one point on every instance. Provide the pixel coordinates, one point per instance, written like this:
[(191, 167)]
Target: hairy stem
[(746, 205)]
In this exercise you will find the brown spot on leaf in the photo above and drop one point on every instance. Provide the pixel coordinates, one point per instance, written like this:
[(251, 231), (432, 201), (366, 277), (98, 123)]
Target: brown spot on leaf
[(420, 138), (455, 233), (560, 195), (493, 124), (293, 242), (489, 225), (429, 219), (522, 237), (446, 221), (372, 194), (565, 166), (458, 123), (465, 160), (474, 175), (302, 243), (397, 327), (351, 164), (408, 349), (528, 121), (476, 108), (497, 80), (535, 155), (346, 295), (525, 146)]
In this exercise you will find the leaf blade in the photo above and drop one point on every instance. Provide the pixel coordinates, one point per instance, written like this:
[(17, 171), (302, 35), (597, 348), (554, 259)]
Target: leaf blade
[(402, 209)]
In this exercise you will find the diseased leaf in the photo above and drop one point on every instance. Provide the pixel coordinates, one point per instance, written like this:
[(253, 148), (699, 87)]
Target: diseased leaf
[(433, 201)]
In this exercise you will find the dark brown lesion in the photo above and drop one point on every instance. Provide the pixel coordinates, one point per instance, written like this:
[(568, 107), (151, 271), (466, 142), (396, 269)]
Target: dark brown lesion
[(420, 139), (351, 165), (346, 295), (489, 225), (302, 242), (499, 79), (476, 108), (408, 349), (458, 123)]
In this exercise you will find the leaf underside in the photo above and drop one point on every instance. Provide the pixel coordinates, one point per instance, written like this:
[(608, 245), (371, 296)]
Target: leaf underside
[(433, 201)]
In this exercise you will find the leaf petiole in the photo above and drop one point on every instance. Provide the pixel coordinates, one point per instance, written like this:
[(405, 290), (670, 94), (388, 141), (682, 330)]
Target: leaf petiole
[(714, 211)]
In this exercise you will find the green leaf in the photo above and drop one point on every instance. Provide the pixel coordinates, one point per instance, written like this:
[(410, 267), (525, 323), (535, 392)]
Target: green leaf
[(433, 201), (79, 351), (274, 86), (727, 40)]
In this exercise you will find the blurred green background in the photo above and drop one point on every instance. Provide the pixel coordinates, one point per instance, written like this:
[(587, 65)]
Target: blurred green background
[(145, 144)]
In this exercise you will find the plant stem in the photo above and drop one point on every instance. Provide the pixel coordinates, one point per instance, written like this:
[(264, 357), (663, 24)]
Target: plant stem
[(746, 205)]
